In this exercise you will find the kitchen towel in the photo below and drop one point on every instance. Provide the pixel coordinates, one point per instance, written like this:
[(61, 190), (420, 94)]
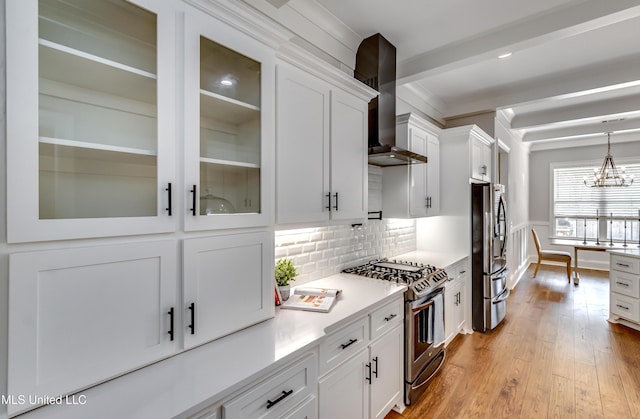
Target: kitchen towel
[(438, 320)]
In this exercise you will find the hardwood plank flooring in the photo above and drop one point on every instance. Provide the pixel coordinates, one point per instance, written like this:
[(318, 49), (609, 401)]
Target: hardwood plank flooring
[(554, 355)]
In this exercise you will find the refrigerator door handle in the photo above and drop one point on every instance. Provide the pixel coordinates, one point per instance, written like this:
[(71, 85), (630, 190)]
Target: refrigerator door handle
[(499, 273), (503, 296)]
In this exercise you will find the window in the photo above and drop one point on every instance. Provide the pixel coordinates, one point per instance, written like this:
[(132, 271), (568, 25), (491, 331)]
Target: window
[(606, 214)]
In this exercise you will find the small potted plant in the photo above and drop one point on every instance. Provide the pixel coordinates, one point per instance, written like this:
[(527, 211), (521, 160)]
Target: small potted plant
[(285, 272)]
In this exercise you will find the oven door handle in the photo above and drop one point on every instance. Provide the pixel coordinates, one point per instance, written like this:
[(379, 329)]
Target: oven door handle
[(422, 307), (429, 303)]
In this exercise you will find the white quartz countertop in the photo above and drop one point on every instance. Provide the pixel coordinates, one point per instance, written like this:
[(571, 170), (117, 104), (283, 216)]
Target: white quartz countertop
[(630, 251), (194, 379), (437, 259)]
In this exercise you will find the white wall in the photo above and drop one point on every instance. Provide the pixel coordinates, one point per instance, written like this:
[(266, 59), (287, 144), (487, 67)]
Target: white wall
[(516, 180), (517, 183)]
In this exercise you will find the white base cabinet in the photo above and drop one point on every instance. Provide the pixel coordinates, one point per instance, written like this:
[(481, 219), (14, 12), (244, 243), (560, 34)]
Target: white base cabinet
[(280, 394), (624, 305), (364, 381), (456, 300), (344, 393), (80, 316), (387, 356)]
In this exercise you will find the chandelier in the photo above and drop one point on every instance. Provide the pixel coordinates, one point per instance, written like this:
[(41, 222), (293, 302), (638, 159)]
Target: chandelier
[(608, 175)]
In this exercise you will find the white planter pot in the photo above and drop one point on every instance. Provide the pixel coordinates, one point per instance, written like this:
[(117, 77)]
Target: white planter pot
[(285, 290)]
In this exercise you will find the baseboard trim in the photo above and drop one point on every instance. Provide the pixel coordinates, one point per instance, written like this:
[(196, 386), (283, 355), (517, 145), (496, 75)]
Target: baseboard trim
[(517, 276)]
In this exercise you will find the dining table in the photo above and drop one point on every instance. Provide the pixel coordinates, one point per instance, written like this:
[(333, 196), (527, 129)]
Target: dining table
[(594, 246)]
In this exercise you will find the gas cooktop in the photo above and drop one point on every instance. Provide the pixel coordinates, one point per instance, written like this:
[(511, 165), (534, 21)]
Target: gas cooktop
[(420, 278)]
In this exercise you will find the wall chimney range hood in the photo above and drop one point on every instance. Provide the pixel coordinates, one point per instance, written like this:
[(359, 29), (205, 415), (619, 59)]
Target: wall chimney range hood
[(376, 67)]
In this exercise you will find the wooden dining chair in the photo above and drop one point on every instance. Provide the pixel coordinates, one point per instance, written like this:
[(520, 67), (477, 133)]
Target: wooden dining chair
[(551, 255)]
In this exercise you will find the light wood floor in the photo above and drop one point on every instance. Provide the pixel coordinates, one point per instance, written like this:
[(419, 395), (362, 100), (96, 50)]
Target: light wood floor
[(555, 355)]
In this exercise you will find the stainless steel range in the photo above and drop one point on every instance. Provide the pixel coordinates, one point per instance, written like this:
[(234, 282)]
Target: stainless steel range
[(424, 317)]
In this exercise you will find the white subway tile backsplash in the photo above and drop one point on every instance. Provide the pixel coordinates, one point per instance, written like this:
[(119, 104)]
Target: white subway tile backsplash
[(293, 250), (325, 251)]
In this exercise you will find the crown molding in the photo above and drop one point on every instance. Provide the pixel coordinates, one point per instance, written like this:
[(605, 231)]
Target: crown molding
[(309, 63), (245, 19)]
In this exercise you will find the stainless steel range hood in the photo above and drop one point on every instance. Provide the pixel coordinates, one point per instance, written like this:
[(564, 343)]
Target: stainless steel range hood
[(376, 67)]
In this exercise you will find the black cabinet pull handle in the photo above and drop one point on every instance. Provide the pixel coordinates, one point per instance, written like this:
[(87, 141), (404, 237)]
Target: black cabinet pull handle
[(192, 326), (346, 345), (336, 205), (388, 318), (168, 189), (329, 201), (368, 376), (193, 200), (622, 264), (622, 283), (284, 395), (170, 332), (375, 372), (622, 307)]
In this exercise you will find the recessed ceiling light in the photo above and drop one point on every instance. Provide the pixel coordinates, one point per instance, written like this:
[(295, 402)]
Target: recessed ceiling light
[(226, 82), (505, 55)]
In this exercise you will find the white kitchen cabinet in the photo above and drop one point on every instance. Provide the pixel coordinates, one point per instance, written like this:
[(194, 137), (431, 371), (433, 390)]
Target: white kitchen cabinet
[(624, 305), (211, 412), (387, 361), (302, 153), (344, 392), (229, 126), (289, 392), (480, 157), (321, 153), (227, 284), (308, 409), (413, 190), (362, 378), (90, 119), (455, 300), (79, 316), (467, 150)]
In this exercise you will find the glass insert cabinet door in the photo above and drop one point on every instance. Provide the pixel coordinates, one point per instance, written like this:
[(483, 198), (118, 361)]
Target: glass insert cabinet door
[(90, 118), (227, 126)]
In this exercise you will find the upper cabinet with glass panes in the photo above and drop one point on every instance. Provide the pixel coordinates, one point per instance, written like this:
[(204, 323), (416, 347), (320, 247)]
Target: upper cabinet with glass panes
[(229, 130), (90, 118)]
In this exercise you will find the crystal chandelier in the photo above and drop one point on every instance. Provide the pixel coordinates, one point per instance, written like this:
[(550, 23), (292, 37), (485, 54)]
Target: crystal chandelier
[(608, 175)]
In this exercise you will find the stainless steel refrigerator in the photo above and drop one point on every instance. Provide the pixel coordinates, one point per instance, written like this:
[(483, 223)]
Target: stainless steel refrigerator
[(489, 290)]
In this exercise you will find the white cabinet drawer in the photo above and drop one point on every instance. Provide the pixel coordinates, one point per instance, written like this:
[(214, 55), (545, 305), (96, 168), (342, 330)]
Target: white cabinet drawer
[(387, 317), (625, 264), (626, 307), (624, 283), (343, 343), (277, 394), (308, 409)]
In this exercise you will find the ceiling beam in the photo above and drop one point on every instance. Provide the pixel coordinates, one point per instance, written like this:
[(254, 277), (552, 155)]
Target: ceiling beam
[(583, 142), (602, 110), (611, 76), (546, 27), (582, 130)]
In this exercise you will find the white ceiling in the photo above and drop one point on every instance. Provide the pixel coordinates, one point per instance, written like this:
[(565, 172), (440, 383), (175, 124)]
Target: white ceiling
[(575, 63)]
